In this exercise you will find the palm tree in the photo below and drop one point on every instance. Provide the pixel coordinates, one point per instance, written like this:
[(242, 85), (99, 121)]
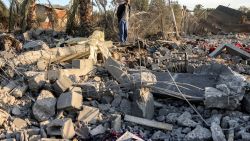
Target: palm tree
[(86, 12)]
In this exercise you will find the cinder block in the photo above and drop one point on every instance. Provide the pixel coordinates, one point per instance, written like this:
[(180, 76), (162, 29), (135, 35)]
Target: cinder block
[(61, 127), (62, 84), (83, 64), (88, 114), (69, 101)]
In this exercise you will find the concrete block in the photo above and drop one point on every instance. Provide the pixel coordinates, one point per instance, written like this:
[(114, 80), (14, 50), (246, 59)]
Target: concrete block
[(62, 84), (76, 89), (116, 122), (69, 101), (144, 105), (44, 107), (74, 72), (98, 130), (61, 127), (37, 82), (86, 64), (88, 114)]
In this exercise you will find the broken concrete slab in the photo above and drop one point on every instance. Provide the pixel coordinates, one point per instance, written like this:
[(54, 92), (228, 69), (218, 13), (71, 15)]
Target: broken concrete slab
[(69, 101), (146, 78), (62, 84), (116, 70), (61, 127), (199, 134), (44, 107), (98, 130), (143, 106), (88, 114), (215, 98), (232, 50), (217, 133), (149, 123)]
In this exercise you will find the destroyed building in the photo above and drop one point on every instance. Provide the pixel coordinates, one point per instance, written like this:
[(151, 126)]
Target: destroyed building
[(56, 87)]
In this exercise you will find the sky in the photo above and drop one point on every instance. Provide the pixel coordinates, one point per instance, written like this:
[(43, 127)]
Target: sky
[(189, 3)]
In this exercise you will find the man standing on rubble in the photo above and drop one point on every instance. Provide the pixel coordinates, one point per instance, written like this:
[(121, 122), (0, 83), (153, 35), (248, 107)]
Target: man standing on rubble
[(123, 14)]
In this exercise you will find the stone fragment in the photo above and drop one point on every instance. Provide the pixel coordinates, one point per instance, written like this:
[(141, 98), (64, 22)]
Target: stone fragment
[(61, 127), (185, 120), (88, 114), (215, 98), (19, 123), (98, 130), (91, 89), (35, 45), (199, 134), (9, 87), (16, 111), (217, 133), (116, 101), (44, 107), (172, 117), (144, 105), (62, 84), (116, 70), (116, 122), (35, 138), (20, 91), (159, 135), (37, 82), (69, 101), (125, 106)]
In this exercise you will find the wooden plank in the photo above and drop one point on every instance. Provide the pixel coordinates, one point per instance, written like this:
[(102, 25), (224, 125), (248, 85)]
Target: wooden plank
[(149, 123)]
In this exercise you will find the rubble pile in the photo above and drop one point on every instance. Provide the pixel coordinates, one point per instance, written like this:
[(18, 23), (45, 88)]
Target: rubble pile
[(88, 89)]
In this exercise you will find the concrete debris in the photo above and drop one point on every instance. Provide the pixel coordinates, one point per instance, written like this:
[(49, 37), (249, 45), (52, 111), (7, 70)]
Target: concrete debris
[(129, 136), (62, 84), (199, 134), (217, 132), (19, 123), (69, 101), (98, 130), (148, 123), (223, 100), (44, 107), (62, 88), (88, 114), (185, 120), (143, 106), (61, 127)]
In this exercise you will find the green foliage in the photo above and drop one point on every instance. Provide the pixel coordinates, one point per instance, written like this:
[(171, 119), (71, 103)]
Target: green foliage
[(3, 10), (140, 5), (198, 10), (244, 9)]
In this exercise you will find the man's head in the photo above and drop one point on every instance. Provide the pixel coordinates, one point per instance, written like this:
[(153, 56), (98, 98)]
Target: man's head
[(127, 1)]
